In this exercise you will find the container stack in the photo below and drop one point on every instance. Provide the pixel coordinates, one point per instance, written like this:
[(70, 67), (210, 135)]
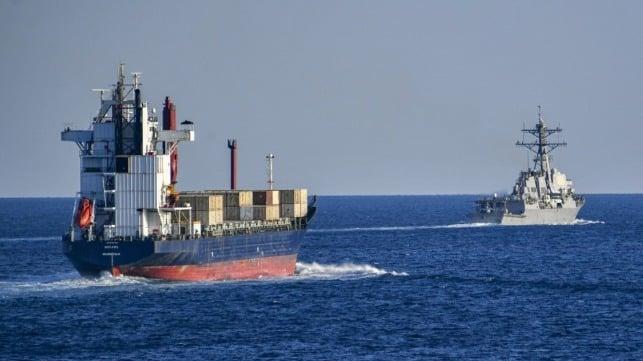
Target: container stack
[(266, 205), (294, 203), (212, 207), (206, 208), (238, 206)]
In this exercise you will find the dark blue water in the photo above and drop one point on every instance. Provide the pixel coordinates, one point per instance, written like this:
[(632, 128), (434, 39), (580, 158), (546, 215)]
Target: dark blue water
[(378, 278)]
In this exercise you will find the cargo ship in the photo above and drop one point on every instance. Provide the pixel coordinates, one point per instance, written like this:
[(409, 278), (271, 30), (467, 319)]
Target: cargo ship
[(130, 219), (541, 195)]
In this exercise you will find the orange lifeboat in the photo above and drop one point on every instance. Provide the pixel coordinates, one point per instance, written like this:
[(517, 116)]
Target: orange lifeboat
[(84, 213)]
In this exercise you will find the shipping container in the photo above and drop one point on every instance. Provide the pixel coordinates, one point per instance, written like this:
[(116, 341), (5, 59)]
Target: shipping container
[(237, 198), (293, 196), (209, 202), (231, 213), (265, 198), (246, 213), (202, 202), (272, 198), (266, 213), (293, 210), (245, 198), (208, 218), (259, 198)]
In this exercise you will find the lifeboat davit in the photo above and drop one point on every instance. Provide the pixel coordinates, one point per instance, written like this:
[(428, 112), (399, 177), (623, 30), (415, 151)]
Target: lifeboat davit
[(84, 213)]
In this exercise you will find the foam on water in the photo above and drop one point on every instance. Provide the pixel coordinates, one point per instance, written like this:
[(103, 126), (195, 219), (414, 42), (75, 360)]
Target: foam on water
[(583, 222), (576, 222), (399, 228), (66, 282), (465, 225), (344, 270)]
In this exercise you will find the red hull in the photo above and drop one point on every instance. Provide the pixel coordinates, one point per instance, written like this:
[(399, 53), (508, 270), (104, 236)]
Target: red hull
[(230, 270)]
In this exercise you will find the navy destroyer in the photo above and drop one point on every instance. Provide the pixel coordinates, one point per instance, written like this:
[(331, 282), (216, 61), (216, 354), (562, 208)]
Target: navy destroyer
[(542, 195)]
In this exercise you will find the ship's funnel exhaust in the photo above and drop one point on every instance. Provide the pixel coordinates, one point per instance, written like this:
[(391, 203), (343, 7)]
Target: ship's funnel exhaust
[(169, 123), (232, 144)]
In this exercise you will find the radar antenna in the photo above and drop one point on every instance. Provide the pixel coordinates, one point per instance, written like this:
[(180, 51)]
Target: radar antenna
[(541, 146), (101, 91), (137, 79)]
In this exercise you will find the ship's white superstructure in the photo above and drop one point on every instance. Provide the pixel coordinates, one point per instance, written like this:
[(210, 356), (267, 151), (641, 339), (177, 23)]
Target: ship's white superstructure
[(127, 161)]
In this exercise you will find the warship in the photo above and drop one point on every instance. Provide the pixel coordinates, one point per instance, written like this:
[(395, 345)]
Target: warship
[(542, 195), (130, 219)]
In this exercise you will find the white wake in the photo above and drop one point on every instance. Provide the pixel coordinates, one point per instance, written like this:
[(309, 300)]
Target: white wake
[(583, 222), (344, 270), (399, 228), (66, 282), (465, 225), (576, 222)]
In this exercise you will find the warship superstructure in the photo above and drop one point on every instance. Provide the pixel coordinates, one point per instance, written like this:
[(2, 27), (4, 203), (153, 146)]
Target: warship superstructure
[(129, 217), (542, 195)]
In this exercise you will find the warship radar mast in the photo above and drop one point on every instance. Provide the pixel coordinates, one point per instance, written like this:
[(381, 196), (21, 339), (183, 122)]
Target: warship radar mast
[(542, 147)]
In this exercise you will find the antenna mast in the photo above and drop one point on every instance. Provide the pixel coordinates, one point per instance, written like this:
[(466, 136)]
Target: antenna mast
[(269, 159), (541, 147)]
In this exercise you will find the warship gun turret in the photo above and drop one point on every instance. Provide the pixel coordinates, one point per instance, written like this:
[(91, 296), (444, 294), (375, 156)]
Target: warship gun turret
[(542, 195)]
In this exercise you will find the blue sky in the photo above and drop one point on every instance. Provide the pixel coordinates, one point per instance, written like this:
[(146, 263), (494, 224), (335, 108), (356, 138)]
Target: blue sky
[(353, 97)]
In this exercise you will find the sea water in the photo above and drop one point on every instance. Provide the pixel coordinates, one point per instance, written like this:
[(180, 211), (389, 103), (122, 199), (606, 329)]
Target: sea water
[(386, 278)]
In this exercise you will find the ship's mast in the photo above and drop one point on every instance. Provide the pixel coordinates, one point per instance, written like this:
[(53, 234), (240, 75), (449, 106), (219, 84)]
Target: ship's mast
[(542, 147), (117, 110), (271, 181)]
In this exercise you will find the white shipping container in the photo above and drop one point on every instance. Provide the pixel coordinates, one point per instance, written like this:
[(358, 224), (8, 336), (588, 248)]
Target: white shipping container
[(246, 213), (303, 209), (245, 198)]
